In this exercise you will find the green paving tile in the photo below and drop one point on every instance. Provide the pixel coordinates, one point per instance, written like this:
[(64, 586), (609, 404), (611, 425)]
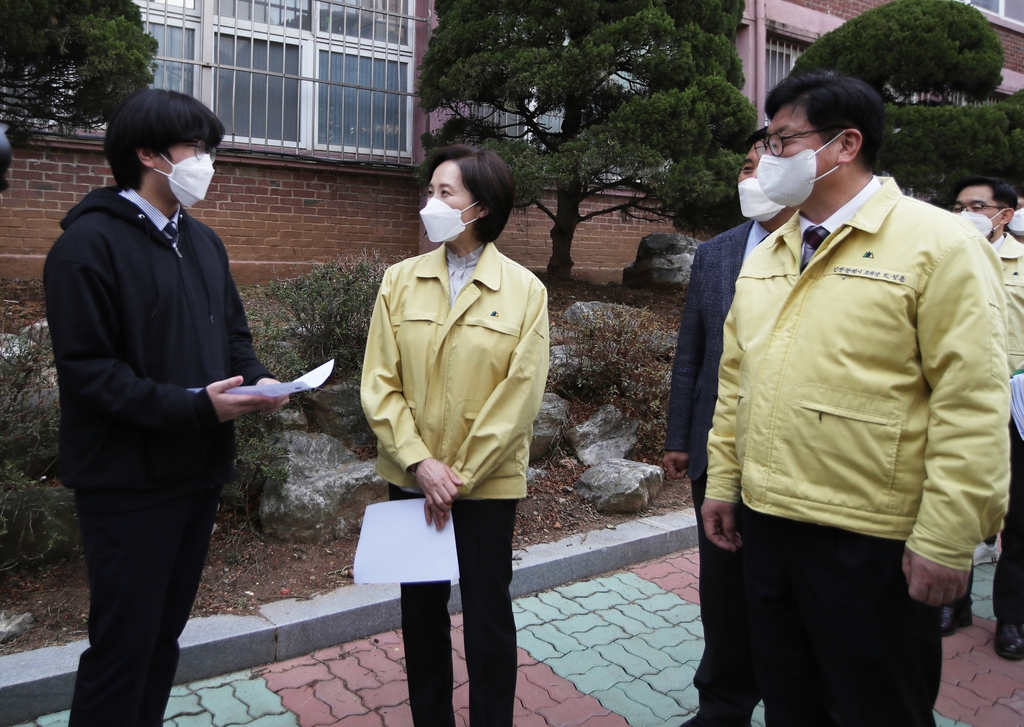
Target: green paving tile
[(663, 706), (57, 719), (637, 714), (628, 624), (602, 601), (576, 625), (667, 637), (525, 618), (258, 698), (576, 662), (225, 707), (687, 698), (275, 720), (601, 635), (696, 628), (672, 679), (616, 653), (187, 703), (757, 718), (537, 648), (582, 589), (600, 678), (657, 658), (682, 613), (560, 603), (941, 721), (563, 643), (688, 652), (660, 603), (651, 620), (542, 610), (203, 719), (631, 586), (180, 691), (221, 680)]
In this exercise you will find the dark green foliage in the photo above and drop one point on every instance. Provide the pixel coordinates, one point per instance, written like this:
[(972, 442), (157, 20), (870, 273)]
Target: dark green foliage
[(646, 91), (907, 47), (69, 62), (29, 411)]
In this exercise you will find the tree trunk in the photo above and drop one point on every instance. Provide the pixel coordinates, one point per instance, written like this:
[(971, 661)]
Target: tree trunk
[(567, 217)]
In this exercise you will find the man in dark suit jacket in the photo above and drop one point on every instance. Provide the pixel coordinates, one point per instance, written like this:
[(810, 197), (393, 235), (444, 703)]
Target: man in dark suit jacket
[(725, 677)]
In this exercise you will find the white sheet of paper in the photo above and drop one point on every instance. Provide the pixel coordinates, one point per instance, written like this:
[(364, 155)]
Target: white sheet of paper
[(305, 382), (397, 546), (1017, 402)]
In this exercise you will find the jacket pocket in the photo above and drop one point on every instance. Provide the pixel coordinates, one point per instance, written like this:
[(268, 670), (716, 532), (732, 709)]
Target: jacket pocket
[(838, 447), (487, 345), (1014, 285)]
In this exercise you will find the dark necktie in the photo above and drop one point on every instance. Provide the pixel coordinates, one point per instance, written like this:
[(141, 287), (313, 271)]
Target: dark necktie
[(171, 230), (814, 236)]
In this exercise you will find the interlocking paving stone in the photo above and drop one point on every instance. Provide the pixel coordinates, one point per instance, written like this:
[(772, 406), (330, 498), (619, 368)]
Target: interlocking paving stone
[(576, 662), (226, 708), (563, 643), (635, 611), (600, 678), (637, 714), (632, 664), (187, 703), (560, 603), (203, 719)]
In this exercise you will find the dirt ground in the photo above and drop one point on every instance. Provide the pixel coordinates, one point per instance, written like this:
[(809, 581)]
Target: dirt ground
[(246, 569)]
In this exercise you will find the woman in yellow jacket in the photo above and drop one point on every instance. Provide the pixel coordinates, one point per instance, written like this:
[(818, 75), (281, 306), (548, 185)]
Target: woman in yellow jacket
[(453, 377)]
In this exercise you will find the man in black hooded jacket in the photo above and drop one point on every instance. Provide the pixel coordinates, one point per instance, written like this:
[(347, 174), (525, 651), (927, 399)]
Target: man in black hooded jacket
[(149, 334)]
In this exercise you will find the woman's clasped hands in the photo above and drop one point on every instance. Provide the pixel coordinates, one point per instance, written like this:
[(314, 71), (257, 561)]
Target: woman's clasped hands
[(441, 486)]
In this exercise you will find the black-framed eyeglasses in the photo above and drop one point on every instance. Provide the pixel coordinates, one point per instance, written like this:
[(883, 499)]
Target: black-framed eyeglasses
[(977, 207), (200, 149), (777, 142)]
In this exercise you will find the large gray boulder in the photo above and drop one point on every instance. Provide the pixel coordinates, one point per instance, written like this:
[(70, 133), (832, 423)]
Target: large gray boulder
[(325, 493), (590, 308), (620, 486), (549, 425), (336, 410), (663, 261), (38, 526), (608, 434)]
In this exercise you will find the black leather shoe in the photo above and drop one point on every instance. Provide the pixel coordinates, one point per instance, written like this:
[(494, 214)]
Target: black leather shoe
[(954, 619), (1009, 641)]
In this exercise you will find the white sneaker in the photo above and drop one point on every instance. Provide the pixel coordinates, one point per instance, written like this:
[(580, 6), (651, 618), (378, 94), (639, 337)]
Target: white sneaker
[(985, 553)]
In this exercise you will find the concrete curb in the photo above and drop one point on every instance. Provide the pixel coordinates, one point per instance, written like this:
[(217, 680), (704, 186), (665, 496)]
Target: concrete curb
[(39, 682)]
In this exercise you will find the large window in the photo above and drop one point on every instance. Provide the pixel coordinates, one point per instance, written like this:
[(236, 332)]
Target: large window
[(174, 42), (355, 107), (263, 103), (284, 13), (779, 59), (1012, 9)]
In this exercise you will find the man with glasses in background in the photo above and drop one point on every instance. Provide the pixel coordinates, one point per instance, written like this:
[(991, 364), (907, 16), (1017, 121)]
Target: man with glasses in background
[(860, 431), (149, 336), (988, 203)]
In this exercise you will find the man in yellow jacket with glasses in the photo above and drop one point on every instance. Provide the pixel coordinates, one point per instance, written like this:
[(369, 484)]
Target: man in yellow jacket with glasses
[(860, 432)]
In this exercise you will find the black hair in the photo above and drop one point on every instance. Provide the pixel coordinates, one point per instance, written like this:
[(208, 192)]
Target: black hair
[(833, 101), (759, 135), (155, 119), (488, 179), (1001, 189)]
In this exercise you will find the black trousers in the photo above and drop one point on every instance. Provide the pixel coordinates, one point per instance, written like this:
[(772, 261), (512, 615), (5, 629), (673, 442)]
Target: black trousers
[(483, 541), (725, 678), (1008, 584), (836, 638), (144, 570)]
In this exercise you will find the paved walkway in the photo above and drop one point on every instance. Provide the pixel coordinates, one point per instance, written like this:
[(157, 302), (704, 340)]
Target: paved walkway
[(615, 651)]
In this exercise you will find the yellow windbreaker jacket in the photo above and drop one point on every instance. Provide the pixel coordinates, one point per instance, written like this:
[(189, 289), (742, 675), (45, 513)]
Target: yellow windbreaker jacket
[(1011, 255), (870, 392), (464, 384)]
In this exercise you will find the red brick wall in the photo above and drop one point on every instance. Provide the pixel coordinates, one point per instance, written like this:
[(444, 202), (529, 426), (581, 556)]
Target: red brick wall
[(1013, 41), (277, 216)]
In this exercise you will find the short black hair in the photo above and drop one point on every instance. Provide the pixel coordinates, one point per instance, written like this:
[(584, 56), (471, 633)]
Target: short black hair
[(155, 119), (1001, 189), (831, 100), (488, 179), (759, 135)]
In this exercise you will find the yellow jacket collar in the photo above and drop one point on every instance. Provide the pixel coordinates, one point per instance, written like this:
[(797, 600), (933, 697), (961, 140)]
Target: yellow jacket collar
[(1010, 249), (488, 268)]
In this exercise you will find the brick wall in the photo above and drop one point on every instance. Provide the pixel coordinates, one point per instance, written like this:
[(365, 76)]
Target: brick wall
[(278, 216), (1013, 40)]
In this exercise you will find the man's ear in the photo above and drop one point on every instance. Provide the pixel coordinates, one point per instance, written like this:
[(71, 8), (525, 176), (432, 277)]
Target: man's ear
[(148, 158), (1003, 218), (483, 210), (849, 145)]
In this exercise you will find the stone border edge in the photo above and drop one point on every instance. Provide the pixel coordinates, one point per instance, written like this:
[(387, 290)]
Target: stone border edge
[(41, 681)]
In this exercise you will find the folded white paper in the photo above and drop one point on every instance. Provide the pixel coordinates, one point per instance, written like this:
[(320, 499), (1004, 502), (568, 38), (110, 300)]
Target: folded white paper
[(397, 546), (305, 382), (1017, 402)]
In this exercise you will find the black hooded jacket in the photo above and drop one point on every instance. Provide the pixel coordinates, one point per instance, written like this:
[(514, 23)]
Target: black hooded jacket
[(135, 325)]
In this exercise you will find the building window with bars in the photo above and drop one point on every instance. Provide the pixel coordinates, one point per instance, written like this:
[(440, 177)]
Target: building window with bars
[(280, 13), (376, 20), (779, 59), (174, 42), (257, 88), (1010, 9), (362, 102)]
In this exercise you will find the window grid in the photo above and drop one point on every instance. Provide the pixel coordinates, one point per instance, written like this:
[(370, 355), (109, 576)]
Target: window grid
[(312, 78), (1009, 9)]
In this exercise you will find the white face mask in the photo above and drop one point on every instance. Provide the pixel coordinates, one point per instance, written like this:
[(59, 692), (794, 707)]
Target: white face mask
[(754, 203), (190, 178), (788, 181), (1016, 225), (980, 221), (443, 223)]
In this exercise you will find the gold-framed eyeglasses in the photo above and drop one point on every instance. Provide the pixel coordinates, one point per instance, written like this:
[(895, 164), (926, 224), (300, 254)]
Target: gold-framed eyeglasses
[(977, 207), (777, 142)]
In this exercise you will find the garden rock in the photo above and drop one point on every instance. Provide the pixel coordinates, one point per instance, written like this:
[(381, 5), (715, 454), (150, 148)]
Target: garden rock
[(588, 309), (337, 410), (620, 485), (12, 626), (608, 434), (37, 526), (325, 493), (293, 419), (663, 262), (549, 425)]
